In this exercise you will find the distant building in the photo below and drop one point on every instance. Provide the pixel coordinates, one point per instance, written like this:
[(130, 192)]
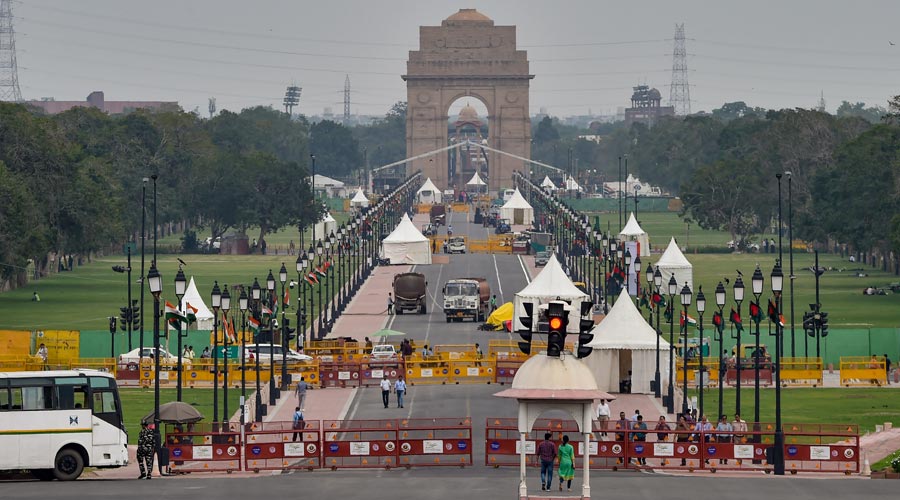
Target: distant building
[(97, 100), (645, 107)]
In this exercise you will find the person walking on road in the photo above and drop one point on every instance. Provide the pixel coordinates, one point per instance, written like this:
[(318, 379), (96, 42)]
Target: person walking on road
[(547, 451), (390, 304), (493, 303), (566, 470), (385, 391), (300, 392), (298, 424), (400, 389), (145, 451)]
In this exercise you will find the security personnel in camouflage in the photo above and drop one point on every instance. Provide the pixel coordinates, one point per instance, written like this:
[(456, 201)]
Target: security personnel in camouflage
[(146, 440)]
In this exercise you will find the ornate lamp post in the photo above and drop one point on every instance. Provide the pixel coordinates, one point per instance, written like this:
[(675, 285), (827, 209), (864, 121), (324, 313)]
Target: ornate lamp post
[(301, 318), (654, 276), (311, 260), (226, 305), (757, 282), (701, 383), (333, 292), (180, 286), (154, 279), (719, 329), (637, 277), (777, 288), (282, 277), (320, 310), (270, 287), (216, 304), (243, 305), (685, 302), (738, 298), (256, 296)]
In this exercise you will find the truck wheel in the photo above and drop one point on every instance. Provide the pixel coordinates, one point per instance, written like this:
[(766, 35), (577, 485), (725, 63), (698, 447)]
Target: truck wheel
[(422, 309), (68, 465), (448, 319), (400, 311)]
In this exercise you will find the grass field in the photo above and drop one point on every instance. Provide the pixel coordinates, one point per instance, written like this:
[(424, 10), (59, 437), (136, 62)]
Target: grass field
[(136, 403), (863, 406)]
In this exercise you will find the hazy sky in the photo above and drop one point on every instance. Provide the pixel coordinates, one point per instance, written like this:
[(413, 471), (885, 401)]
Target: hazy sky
[(585, 54)]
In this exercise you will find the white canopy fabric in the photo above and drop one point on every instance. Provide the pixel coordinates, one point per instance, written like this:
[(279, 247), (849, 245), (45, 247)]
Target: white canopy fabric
[(572, 184), (551, 284), (406, 245), (674, 262), (517, 210), (332, 187), (359, 199), (325, 226), (547, 183), (476, 181), (204, 315), (633, 232), (429, 193), (624, 342)]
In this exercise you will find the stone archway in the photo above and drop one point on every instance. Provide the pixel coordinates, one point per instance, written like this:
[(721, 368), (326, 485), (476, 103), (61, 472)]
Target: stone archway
[(468, 56)]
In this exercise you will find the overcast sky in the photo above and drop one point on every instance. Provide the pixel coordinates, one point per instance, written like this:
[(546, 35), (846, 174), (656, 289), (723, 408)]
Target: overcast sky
[(585, 54)]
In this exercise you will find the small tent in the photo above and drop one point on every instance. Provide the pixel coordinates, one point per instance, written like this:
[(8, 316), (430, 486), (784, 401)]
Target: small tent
[(476, 181), (550, 284), (517, 210), (429, 193), (547, 183), (406, 245), (324, 227), (331, 187), (359, 199), (624, 342), (193, 297), (501, 316), (572, 185), (674, 262), (633, 232)]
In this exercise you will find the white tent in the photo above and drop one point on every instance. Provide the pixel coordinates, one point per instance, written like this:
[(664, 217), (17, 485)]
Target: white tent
[(572, 185), (673, 261), (429, 193), (517, 210), (406, 245), (332, 187), (624, 342), (193, 297), (547, 183), (325, 226), (633, 232), (551, 284), (359, 199), (476, 181)]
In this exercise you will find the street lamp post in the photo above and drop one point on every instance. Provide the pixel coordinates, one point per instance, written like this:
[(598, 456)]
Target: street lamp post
[(720, 303), (256, 296), (301, 320), (270, 287), (285, 342), (228, 327), (701, 383), (155, 281), (777, 288), (311, 260), (685, 302), (738, 298), (673, 290), (757, 283), (243, 305), (654, 280), (320, 309), (180, 285), (216, 304)]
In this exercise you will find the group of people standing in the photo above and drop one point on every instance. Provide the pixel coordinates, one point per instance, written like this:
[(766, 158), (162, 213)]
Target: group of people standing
[(398, 387)]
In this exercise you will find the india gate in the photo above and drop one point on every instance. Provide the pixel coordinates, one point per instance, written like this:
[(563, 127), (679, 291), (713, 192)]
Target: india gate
[(468, 56)]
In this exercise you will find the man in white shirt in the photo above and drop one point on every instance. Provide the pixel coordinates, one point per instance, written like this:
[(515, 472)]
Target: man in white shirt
[(603, 416), (385, 391)]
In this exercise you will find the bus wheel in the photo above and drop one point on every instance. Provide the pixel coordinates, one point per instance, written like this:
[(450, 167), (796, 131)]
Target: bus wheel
[(69, 465), (43, 474)]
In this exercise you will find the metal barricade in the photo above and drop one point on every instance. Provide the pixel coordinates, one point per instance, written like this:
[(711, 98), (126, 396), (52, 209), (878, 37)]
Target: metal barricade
[(428, 370), (278, 446), (802, 372), (372, 371), (863, 371), (203, 447), (339, 374), (435, 442), (359, 444)]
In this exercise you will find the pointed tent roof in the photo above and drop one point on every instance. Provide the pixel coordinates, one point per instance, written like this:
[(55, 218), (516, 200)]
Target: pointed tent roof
[(322, 181), (632, 228), (428, 186), (359, 197), (476, 181), (625, 328), (572, 184), (405, 232), (192, 297), (327, 218), (552, 281), (673, 257), (517, 201), (547, 182)]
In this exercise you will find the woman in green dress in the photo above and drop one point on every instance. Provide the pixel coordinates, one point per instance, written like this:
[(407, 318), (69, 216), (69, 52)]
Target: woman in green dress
[(566, 464)]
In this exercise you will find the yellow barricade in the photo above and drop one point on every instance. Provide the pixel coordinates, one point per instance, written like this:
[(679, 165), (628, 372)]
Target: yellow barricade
[(427, 370), (489, 246), (460, 207), (12, 363), (860, 370), (801, 372), (423, 209)]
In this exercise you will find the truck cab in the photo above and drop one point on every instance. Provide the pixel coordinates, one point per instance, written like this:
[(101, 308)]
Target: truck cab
[(466, 298)]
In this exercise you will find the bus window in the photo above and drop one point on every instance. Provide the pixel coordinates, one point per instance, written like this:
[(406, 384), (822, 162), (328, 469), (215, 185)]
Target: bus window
[(104, 402), (71, 397), (101, 382), (37, 398), (5, 403)]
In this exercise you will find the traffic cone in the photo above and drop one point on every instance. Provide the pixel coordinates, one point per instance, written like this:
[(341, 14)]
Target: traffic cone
[(866, 468)]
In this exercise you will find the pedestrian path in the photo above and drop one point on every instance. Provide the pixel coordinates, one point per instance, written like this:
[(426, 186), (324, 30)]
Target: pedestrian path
[(367, 312)]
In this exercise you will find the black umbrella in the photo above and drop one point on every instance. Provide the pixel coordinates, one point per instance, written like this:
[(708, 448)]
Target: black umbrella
[(175, 412)]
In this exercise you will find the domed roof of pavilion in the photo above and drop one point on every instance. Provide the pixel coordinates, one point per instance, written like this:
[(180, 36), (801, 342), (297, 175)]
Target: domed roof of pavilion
[(562, 378), (469, 15), (468, 114)]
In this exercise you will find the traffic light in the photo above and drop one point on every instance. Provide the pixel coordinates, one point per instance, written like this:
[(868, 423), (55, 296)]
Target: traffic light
[(809, 324), (112, 324), (557, 321), (124, 318), (135, 316), (286, 331), (303, 319), (823, 324), (525, 331), (584, 331)]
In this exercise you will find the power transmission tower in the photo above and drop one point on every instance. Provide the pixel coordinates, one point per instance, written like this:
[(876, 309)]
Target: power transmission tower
[(212, 106), (680, 91), (347, 100), (291, 98), (821, 104), (9, 71)]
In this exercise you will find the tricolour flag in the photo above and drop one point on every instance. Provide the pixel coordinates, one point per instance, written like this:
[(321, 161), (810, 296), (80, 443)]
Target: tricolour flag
[(254, 324), (736, 320), (287, 297), (228, 329), (266, 312), (191, 312), (690, 321), (321, 271), (312, 279), (174, 316)]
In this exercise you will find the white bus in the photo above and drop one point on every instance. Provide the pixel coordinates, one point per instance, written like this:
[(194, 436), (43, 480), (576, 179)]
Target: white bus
[(56, 423)]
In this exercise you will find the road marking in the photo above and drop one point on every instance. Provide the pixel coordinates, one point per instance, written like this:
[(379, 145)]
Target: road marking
[(499, 283), (524, 270)]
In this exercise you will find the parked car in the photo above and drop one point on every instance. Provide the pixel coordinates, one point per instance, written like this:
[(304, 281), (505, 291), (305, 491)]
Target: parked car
[(503, 226), (265, 352), (145, 352), (541, 258), (456, 245), (384, 351)]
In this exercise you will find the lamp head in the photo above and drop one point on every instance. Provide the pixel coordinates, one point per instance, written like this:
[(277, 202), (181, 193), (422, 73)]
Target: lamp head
[(657, 278), (243, 303), (270, 282), (155, 280), (216, 296), (282, 274), (226, 300), (777, 278), (757, 281), (720, 295), (255, 290), (685, 295), (739, 289), (701, 301)]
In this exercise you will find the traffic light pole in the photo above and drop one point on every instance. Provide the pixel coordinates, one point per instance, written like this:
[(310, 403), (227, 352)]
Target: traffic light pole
[(130, 327)]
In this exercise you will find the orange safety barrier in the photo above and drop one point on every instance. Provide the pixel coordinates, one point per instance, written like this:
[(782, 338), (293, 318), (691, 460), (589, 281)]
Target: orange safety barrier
[(507, 364), (359, 444), (278, 446), (435, 442), (339, 374), (372, 371), (203, 447)]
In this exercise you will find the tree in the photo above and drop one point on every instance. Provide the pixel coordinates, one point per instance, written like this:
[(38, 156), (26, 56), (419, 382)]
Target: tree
[(873, 114), (22, 230), (337, 151), (734, 110), (545, 132), (720, 196), (384, 141)]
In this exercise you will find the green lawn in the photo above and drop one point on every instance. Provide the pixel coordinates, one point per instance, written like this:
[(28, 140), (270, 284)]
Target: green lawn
[(136, 403), (862, 406)]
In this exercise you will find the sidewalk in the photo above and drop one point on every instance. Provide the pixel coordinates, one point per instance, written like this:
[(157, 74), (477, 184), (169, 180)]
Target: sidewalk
[(367, 312)]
